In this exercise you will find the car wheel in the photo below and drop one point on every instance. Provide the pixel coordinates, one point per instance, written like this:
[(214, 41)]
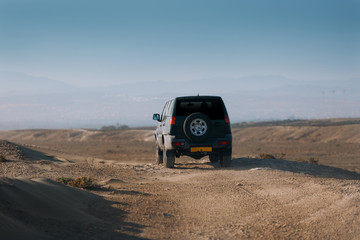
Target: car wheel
[(225, 158), (159, 155), (197, 126), (214, 157), (169, 159)]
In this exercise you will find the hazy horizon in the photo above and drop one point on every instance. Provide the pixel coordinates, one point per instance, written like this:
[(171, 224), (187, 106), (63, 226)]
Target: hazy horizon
[(31, 102), (93, 63)]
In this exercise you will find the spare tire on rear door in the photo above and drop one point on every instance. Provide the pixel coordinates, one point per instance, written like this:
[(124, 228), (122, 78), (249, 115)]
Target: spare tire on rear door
[(197, 126)]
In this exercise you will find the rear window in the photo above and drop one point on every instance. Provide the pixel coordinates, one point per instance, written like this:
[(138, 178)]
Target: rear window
[(212, 108)]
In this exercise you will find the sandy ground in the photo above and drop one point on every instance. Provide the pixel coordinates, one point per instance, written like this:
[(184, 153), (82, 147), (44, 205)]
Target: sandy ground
[(136, 199)]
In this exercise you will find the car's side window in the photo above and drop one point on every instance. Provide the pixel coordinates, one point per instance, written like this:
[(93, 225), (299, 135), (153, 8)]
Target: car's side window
[(163, 114), (170, 107)]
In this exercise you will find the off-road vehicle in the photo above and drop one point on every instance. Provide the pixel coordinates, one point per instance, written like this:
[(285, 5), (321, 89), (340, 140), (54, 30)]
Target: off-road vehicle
[(194, 126)]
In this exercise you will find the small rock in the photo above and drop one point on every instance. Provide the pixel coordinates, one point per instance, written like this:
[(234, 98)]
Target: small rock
[(167, 215)]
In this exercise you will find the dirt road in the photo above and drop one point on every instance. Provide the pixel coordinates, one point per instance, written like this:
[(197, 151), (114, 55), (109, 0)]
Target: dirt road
[(250, 200), (256, 198)]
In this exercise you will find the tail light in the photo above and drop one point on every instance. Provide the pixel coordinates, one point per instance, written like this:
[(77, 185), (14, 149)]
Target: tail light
[(178, 144), (227, 120), (224, 142), (172, 121)]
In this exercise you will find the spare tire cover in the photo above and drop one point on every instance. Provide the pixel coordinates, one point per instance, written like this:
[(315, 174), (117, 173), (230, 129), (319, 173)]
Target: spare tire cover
[(197, 126)]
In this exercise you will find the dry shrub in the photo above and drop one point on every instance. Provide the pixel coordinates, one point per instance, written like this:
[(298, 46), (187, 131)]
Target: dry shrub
[(266, 156), (79, 182), (64, 180), (2, 158), (310, 160), (313, 161)]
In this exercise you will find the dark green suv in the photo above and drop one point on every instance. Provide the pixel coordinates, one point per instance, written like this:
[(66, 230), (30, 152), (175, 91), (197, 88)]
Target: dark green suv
[(194, 126)]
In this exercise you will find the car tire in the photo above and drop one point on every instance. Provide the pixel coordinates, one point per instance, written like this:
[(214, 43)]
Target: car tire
[(159, 155), (197, 127), (214, 157), (225, 158), (169, 159)]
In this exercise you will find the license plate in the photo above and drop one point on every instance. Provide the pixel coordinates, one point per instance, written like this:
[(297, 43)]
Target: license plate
[(201, 149)]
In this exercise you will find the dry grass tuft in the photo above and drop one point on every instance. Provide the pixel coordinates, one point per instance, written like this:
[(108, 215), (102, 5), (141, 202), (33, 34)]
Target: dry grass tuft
[(266, 156), (313, 161), (79, 182), (310, 160)]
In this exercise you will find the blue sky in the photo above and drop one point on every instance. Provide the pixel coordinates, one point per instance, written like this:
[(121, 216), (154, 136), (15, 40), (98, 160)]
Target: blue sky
[(87, 42)]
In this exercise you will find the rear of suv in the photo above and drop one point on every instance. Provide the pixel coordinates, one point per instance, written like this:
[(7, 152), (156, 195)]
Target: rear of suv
[(194, 126)]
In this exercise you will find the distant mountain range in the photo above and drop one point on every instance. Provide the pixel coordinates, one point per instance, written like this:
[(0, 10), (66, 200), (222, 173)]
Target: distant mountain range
[(35, 102)]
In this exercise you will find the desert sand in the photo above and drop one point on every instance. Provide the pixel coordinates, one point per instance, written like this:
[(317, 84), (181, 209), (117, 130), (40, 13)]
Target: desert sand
[(133, 198)]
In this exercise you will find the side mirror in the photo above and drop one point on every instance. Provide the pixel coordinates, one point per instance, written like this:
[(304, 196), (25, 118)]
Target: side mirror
[(156, 117)]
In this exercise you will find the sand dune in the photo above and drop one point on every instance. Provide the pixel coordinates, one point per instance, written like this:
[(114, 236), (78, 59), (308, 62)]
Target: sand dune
[(325, 134), (30, 202)]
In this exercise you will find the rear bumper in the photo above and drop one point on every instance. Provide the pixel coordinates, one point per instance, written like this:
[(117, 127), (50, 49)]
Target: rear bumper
[(184, 146)]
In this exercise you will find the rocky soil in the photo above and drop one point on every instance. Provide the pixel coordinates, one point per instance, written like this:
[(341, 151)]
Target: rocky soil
[(10, 151)]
